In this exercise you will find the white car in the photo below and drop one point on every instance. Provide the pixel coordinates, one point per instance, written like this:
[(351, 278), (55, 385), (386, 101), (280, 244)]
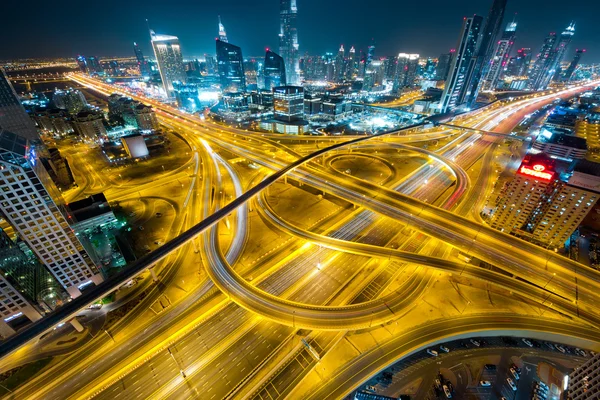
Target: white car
[(514, 373), (444, 349), (475, 342), (560, 348), (580, 352), (511, 383), (485, 383), (527, 342), (432, 352), (447, 392), (371, 389)]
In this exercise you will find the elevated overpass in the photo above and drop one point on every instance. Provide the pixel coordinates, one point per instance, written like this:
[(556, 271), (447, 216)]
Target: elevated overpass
[(489, 133)]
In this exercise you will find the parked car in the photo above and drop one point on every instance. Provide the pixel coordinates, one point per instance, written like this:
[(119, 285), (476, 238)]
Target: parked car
[(432, 352), (527, 342), (511, 383), (444, 349), (485, 383)]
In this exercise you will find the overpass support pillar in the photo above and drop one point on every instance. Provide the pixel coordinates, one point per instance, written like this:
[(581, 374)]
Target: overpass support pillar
[(5, 330), (153, 273), (77, 325)]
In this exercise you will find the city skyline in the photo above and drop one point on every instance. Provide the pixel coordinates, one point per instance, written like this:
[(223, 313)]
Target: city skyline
[(197, 26)]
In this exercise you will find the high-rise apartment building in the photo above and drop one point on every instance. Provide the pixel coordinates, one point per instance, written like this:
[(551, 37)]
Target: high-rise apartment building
[(462, 66), (340, 64), (519, 65), (288, 40), (546, 201), (71, 100), (560, 51), (485, 49), (274, 70), (94, 66), (547, 64), (443, 66), (141, 61), (352, 64), (406, 71), (526, 196), (568, 74), (13, 116), (571, 203), (167, 51), (82, 64), (230, 64), (500, 59), (89, 125), (27, 200), (584, 381)]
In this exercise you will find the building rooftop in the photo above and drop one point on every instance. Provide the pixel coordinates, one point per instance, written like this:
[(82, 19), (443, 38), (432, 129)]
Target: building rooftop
[(588, 167), (89, 207), (565, 140)]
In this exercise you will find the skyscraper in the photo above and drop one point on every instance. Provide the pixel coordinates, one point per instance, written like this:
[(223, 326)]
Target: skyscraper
[(82, 64), (542, 65), (169, 59), (340, 61), (274, 70), (352, 65), (230, 64), (568, 74), (13, 116), (141, 61), (369, 57), (584, 381), (500, 58), (463, 63), (560, 51), (288, 40), (545, 201), (94, 65), (493, 24), (406, 71), (443, 66), (519, 65), (27, 200)]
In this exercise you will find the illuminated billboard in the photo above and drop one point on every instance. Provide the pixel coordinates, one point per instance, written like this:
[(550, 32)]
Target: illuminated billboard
[(537, 171)]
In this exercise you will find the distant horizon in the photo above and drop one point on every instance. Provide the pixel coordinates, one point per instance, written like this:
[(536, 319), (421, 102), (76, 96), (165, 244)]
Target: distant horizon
[(322, 27)]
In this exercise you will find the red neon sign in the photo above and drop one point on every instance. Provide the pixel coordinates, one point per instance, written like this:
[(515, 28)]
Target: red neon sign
[(537, 171)]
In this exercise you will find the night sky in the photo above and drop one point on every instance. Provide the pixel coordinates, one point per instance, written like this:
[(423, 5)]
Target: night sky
[(38, 28)]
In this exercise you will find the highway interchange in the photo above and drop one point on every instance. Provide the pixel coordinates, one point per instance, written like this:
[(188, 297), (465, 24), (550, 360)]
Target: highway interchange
[(317, 282)]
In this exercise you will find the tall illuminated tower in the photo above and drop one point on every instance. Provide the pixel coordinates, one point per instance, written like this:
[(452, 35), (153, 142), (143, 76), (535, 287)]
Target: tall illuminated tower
[(141, 61), (542, 63), (230, 64), (492, 27), (352, 65), (222, 33), (568, 74), (463, 63), (561, 50), (340, 61), (288, 40), (274, 70), (167, 51), (501, 57)]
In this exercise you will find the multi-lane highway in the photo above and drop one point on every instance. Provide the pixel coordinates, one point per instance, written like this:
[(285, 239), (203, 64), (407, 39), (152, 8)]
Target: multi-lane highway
[(290, 294)]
